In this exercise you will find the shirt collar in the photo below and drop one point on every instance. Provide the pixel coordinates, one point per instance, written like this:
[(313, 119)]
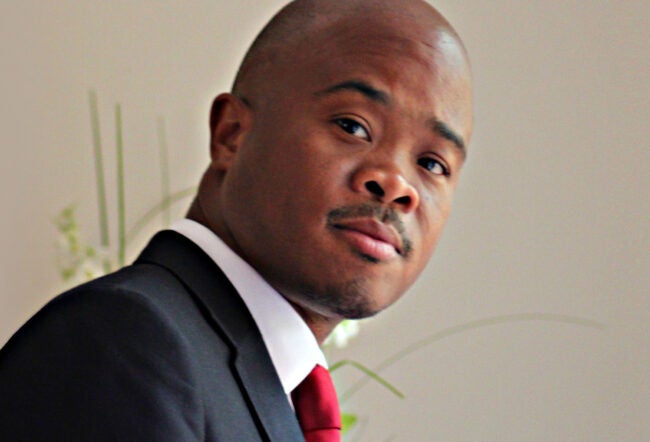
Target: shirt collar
[(292, 346)]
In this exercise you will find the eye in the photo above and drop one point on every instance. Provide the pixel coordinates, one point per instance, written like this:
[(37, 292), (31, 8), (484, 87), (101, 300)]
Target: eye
[(434, 166), (353, 127)]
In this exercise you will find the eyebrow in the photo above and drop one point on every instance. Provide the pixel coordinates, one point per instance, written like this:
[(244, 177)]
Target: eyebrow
[(358, 86), (446, 132), (439, 127)]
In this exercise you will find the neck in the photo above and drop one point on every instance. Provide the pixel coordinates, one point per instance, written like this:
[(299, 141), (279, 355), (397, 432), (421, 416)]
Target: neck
[(321, 326)]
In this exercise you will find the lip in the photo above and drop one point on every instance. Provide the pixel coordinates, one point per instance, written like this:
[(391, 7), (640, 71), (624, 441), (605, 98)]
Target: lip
[(371, 238)]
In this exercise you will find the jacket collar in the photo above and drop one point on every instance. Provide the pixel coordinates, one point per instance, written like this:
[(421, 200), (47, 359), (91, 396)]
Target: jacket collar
[(230, 318)]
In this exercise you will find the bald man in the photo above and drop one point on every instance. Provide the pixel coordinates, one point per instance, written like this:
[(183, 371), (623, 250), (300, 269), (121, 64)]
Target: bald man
[(334, 160)]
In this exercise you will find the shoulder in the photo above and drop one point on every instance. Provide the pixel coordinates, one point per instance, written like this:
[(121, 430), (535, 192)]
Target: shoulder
[(105, 351), (133, 307)]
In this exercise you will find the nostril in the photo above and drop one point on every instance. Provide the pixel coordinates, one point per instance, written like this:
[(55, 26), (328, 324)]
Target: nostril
[(405, 200), (374, 188)]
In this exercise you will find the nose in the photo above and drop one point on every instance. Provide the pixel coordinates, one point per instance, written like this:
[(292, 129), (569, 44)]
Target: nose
[(387, 184)]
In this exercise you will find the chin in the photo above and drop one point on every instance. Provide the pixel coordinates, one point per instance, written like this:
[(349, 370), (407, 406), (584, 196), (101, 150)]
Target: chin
[(353, 299)]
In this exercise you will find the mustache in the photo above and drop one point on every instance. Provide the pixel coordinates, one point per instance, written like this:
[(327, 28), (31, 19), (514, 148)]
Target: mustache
[(383, 214)]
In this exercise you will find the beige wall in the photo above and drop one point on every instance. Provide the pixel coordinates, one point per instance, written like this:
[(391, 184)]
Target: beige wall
[(552, 215)]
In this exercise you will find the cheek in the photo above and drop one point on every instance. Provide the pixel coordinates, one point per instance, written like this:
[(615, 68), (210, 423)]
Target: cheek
[(315, 176), (291, 186), (431, 220)]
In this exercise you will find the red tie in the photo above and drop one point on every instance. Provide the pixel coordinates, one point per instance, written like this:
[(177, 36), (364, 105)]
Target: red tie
[(317, 407)]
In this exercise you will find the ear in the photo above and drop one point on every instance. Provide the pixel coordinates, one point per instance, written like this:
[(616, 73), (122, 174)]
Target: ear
[(230, 120)]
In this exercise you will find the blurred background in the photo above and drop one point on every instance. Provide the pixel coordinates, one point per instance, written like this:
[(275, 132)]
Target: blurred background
[(550, 220)]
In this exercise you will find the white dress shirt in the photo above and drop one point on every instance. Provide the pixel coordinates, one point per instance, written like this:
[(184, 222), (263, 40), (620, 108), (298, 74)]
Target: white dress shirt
[(292, 346)]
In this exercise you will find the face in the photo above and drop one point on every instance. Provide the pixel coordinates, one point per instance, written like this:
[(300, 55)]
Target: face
[(340, 187)]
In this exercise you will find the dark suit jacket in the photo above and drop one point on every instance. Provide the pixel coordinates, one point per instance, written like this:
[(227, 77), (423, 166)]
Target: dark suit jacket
[(163, 350)]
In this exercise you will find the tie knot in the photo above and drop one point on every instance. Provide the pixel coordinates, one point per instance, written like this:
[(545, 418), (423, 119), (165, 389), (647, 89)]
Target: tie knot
[(317, 407)]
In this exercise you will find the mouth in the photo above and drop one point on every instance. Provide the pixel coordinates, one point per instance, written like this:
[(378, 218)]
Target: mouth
[(374, 240)]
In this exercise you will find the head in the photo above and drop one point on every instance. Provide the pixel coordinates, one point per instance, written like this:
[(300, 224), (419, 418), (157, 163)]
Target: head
[(335, 158)]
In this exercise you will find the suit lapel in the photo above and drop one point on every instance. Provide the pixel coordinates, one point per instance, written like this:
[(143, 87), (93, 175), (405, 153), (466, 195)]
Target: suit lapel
[(231, 319)]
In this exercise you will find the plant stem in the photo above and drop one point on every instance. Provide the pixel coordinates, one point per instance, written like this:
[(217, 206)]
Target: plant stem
[(368, 372), (121, 254), (480, 323), (164, 170), (99, 176), (155, 210)]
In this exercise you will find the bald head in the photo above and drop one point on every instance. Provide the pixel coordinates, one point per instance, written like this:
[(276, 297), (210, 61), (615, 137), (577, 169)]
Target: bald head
[(335, 159), (301, 27)]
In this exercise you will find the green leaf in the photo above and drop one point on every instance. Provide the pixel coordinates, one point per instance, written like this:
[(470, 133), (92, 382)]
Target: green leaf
[(348, 420)]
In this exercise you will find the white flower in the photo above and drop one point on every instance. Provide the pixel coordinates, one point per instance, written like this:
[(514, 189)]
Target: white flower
[(77, 262), (343, 332)]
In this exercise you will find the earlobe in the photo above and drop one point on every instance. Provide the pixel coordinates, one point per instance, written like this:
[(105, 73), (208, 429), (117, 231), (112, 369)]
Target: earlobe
[(229, 122)]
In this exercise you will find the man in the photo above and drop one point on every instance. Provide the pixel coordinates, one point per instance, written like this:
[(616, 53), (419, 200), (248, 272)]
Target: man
[(333, 164)]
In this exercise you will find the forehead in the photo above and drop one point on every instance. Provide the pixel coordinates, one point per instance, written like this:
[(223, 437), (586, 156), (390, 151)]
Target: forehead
[(423, 68)]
